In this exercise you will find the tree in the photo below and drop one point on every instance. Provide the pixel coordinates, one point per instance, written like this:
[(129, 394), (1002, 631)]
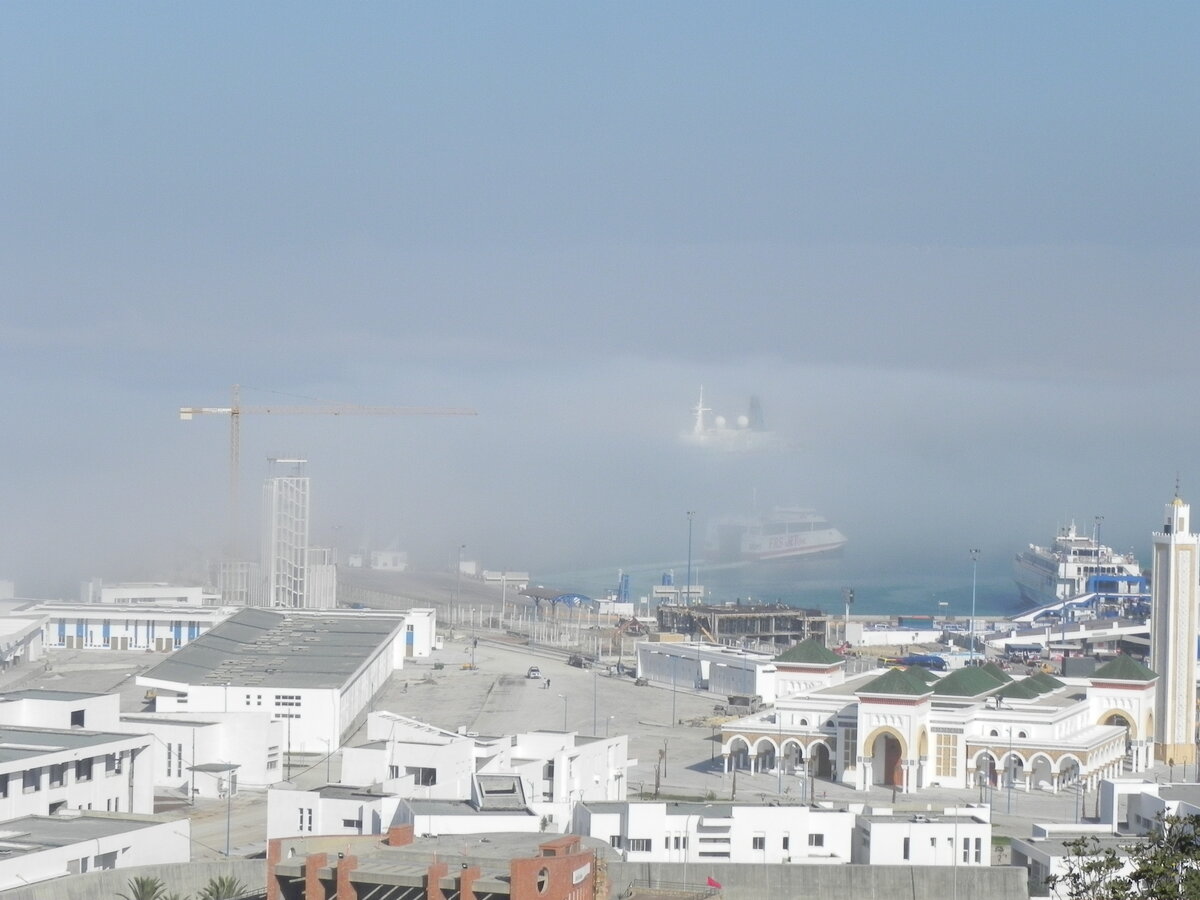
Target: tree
[(144, 887), (1163, 865), (223, 887)]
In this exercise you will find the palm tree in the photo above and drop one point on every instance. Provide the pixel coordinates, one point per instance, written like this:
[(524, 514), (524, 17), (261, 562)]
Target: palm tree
[(145, 887), (223, 887)]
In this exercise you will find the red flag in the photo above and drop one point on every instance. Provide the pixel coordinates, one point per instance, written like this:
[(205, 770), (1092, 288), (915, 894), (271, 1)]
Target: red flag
[(712, 882)]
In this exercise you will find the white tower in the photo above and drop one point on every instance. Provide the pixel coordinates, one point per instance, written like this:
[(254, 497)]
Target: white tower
[(1173, 635), (285, 536)]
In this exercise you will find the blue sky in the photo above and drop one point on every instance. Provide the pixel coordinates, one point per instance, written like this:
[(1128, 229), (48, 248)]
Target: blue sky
[(952, 246)]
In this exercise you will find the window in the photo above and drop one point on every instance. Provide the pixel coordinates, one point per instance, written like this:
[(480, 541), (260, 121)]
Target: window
[(615, 841), (4, 785), (112, 764), (352, 823), (424, 777), (787, 842), (947, 755), (849, 747), (58, 774), (83, 769), (966, 849), (906, 854), (179, 761), (978, 850), (305, 815), (760, 842), (640, 845), (287, 699), (77, 717), (818, 840), (393, 771), (32, 779)]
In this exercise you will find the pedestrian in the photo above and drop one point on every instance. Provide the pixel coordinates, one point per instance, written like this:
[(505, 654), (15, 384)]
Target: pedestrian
[(547, 684)]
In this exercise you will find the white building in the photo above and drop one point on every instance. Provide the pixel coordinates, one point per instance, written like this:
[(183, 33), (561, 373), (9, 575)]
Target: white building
[(72, 758), (957, 837), (696, 665), (533, 774), (39, 848), (1046, 853), (718, 832), (496, 804), (411, 758), (254, 742), (96, 626), (20, 639), (317, 671), (909, 728), (146, 594), (1173, 628)]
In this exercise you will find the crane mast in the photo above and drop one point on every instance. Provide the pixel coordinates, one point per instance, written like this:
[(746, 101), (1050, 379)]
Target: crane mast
[(235, 411)]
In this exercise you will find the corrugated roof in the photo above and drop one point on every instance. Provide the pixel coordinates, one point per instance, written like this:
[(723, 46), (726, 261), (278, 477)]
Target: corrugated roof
[(263, 648)]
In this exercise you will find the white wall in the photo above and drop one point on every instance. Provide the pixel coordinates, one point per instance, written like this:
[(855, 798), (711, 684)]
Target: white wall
[(252, 741), (165, 842), (930, 843)]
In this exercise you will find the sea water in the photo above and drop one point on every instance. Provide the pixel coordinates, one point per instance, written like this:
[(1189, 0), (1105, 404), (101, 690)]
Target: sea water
[(813, 584)]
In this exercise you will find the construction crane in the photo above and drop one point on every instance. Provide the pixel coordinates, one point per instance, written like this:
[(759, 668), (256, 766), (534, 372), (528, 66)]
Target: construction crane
[(235, 411)]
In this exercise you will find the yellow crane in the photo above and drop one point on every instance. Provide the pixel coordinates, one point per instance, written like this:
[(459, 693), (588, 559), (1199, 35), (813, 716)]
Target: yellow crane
[(235, 411)]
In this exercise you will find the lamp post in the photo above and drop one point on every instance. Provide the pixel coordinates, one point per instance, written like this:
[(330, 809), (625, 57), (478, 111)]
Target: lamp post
[(458, 574), (1010, 769), (691, 514), (563, 697), (595, 690), (974, 572), (328, 754), (607, 722)]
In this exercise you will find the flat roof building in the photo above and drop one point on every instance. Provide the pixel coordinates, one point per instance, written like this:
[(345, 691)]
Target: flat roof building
[(317, 670)]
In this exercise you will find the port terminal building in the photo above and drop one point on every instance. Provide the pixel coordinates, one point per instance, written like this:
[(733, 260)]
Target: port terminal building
[(909, 728)]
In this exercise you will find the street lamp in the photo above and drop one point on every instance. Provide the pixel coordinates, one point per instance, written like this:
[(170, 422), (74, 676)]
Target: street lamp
[(229, 770), (607, 722), (458, 574), (691, 514), (974, 572), (563, 697)]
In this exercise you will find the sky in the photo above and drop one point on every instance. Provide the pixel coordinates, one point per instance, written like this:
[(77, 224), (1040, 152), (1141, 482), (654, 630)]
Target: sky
[(952, 247)]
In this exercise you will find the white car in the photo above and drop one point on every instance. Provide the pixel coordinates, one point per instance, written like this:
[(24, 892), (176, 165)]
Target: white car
[(534, 672)]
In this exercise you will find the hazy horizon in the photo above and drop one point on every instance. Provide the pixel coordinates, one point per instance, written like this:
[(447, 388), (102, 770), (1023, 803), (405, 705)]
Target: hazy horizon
[(951, 247)]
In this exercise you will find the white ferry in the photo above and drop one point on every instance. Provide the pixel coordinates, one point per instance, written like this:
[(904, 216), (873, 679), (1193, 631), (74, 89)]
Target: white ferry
[(1075, 565), (746, 433), (783, 533)]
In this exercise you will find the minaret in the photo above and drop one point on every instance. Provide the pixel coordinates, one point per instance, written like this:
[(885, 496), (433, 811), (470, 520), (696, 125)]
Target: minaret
[(1173, 624)]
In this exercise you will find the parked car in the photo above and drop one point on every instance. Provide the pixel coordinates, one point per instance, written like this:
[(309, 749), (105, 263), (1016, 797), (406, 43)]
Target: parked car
[(533, 672)]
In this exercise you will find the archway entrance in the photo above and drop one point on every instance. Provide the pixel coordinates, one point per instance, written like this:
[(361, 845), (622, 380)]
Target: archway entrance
[(885, 761), (820, 763)]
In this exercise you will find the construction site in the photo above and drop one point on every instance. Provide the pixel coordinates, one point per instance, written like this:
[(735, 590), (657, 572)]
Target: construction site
[(753, 627)]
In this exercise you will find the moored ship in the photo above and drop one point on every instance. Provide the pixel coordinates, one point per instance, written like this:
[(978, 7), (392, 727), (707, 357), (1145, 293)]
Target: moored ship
[(1074, 565), (782, 533)]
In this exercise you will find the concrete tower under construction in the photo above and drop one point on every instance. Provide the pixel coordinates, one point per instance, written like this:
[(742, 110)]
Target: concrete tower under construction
[(285, 535), (1173, 635)]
